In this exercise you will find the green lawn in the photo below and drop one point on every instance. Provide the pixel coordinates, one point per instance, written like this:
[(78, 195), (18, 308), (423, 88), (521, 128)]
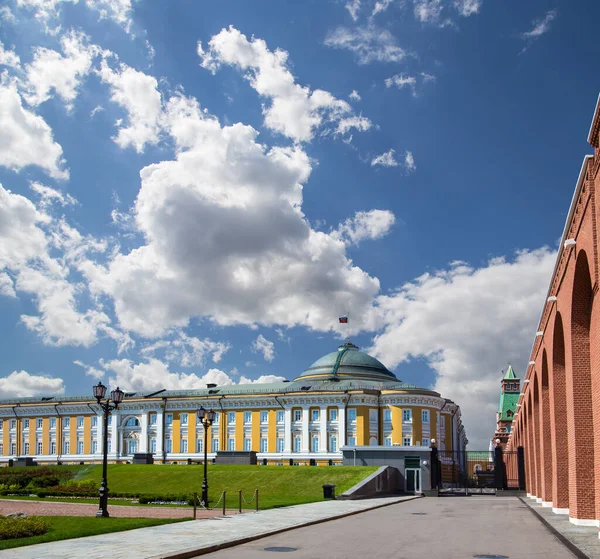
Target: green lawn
[(66, 527), (277, 485)]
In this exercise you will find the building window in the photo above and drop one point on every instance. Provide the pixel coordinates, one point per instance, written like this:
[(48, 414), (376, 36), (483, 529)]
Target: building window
[(13, 448), (152, 419), (407, 415), (387, 414), (183, 446), (95, 421), (247, 444), (153, 445), (280, 417), (425, 441), (52, 447), (315, 415), (333, 443), (230, 444), (80, 422), (264, 445), (247, 417), (184, 418), (1, 423), (26, 449), (280, 444), (443, 422), (40, 423), (168, 445), (169, 419), (132, 446), (315, 444), (79, 447), (297, 415), (217, 414), (297, 444), (1, 449), (94, 446), (66, 447), (352, 415), (199, 445), (406, 441), (67, 422), (39, 448), (109, 446), (264, 416), (387, 441), (351, 441), (215, 445), (425, 416), (231, 417), (133, 422), (13, 423), (53, 423), (333, 414), (26, 424)]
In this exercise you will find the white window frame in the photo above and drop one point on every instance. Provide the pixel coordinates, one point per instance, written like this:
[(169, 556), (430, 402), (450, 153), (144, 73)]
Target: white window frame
[(153, 445), (214, 445), (183, 446), (333, 443), (25, 423), (297, 415), (387, 441), (247, 417), (352, 415), (407, 415), (247, 444), (80, 422), (297, 443), (351, 441), (314, 415), (314, 443), (231, 444), (39, 423), (26, 449), (183, 418), (280, 418), (230, 418), (79, 447), (264, 416), (52, 447), (387, 415), (264, 444), (406, 441), (199, 444), (280, 444), (169, 419), (333, 414)]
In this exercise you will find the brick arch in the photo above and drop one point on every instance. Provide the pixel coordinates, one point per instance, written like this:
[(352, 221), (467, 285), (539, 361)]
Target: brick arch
[(545, 433), (530, 446), (579, 392), (536, 435), (558, 418)]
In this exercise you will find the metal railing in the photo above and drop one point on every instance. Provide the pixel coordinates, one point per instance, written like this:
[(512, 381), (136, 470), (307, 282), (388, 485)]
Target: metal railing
[(222, 502)]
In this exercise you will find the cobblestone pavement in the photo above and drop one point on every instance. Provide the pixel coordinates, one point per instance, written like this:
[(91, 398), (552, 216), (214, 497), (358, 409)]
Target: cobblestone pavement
[(47, 508)]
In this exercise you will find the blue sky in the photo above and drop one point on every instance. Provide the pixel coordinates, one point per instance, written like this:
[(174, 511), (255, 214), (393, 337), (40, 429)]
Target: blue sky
[(194, 192)]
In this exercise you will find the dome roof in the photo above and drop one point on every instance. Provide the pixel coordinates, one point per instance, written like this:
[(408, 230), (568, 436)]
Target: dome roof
[(348, 363)]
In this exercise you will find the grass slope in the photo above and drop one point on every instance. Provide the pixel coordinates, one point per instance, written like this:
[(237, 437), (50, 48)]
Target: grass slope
[(66, 527), (277, 485)]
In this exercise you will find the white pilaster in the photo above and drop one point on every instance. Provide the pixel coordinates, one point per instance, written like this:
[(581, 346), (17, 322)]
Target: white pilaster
[(305, 442), (100, 433), (143, 447), (341, 427), (160, 434), (287, 430), (323, 442), (114, 432)]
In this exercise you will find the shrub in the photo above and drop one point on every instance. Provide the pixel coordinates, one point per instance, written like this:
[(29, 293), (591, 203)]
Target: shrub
[(11, 528)]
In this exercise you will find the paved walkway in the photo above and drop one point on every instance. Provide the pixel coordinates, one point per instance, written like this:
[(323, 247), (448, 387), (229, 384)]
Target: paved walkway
[(48, 508), (189, 539)]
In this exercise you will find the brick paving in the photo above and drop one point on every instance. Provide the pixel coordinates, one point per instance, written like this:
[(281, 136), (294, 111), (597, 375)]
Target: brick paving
[(48, 508)]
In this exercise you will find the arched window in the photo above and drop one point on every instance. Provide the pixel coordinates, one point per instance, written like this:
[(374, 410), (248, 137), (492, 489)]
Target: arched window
[(132, 422)]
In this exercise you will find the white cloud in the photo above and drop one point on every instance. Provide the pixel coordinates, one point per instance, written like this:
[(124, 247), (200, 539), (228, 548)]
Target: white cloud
[(96, 110), (540, 26), (295, 110), (401, 81), (428, 77), (49, 195), (188, 351), (7, 287), (467, 8), (138, 94), (9, 57), (90, 371), (25, 138), (62, 73), (354, 95), (371, 225), (264, 346), (353, 6), (428, 11), (261, 380), (467, 323), (386, 159), (381, 6), (21, 384), (409, 162), (225, 238), (369, 44), (7, 15)]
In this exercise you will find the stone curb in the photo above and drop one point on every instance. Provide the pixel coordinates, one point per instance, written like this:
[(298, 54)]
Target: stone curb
[(196, 552), (562, 539)]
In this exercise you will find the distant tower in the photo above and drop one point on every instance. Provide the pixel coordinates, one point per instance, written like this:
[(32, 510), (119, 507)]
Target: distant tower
[(509, 396)]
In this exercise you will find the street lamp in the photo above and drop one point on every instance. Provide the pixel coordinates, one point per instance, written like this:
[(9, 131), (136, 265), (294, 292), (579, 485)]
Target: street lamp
[(206, 418), (117, 397)]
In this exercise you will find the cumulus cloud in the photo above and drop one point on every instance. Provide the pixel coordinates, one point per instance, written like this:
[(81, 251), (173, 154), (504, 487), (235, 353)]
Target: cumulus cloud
[(467, 323), (25, 137), (49, 195), (9, 57), (7, 15), (353, 6), (373, 224), (90, 371), (428, 11), (226, 238), (261, 379), (386, 159), (62, 73), (381, 6), (295, 110), (409, 162), (354, 95), (368, 44), (7, 287), (21, 384), (137, 93), (264, 346), (401, 81), (188, 351), (467, 8)]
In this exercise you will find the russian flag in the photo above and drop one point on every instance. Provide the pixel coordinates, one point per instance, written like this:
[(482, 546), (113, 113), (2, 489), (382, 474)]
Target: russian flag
[(343, 319)]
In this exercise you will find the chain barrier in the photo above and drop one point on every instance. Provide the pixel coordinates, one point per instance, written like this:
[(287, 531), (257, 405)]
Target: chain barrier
[(254, 499)]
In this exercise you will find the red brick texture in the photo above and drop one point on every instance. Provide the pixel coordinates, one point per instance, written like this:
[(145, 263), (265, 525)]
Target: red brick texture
[(559, 419)]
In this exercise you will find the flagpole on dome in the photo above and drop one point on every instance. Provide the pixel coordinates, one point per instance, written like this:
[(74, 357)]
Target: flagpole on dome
[(344, 320)]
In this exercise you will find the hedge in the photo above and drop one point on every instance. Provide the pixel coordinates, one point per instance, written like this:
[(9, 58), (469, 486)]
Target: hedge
[(21, 527)]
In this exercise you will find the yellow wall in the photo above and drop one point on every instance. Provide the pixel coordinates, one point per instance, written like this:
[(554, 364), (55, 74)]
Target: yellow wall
[(396, 425), (417, 426), (73, 435), (272, 444), (448, 433), (46, 435), (256, 431), (176, 432), (32, 435), (6, 436), (239, 430), (87, 434), (193, 431), (362, 426)]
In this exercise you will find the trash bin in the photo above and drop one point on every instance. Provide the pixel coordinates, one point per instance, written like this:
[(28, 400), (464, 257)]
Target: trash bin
[(328, 491)]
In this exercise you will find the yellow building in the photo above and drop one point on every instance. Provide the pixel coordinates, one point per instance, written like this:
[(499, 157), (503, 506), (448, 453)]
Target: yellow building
[(346, 398)]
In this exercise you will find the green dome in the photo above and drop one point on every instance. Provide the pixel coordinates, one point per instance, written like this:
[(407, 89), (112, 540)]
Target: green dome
[(348, 363)]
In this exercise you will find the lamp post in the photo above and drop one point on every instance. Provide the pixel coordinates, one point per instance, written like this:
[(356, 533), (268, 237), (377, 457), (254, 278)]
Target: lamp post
[(117, 397), (206, 418)]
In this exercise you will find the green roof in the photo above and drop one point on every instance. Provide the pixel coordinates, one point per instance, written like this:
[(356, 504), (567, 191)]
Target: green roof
[(510, 374)]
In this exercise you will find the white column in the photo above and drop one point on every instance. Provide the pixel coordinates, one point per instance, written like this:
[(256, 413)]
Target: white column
[(160, 434), (287, 430), (341, 426), (100, 433), (305, 442), (114, 433), (144, 433), (323, 442)]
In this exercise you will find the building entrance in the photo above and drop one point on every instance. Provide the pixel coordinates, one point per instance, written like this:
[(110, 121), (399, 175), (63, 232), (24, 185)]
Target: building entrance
[(413, 480)]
